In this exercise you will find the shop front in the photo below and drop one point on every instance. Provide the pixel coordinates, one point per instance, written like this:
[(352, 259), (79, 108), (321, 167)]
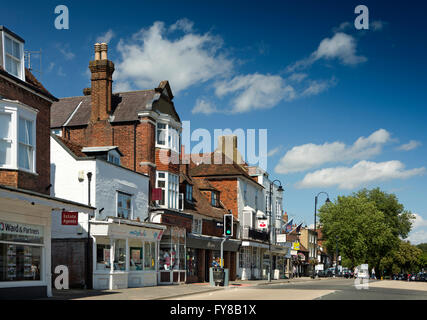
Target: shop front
[(25, 242), (203, 250), (279, 261), (254, 260), (124, 253), (172, 254)]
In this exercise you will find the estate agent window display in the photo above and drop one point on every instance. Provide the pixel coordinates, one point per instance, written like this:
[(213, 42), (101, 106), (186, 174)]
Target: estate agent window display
[(21, 254)]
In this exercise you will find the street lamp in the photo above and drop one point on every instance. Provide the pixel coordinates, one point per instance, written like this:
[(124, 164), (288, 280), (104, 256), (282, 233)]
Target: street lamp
[(280, 189), (315, 213), (336, 259)]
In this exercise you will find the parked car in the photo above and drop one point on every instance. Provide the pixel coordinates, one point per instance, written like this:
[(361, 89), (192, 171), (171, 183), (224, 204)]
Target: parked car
[(348, 274)]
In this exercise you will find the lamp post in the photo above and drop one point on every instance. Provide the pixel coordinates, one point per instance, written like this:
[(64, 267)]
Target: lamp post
[(280, 189), (315, 213), (336, 259)]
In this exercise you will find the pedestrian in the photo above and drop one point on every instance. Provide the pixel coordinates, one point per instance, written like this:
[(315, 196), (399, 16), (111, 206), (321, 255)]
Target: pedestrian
[(373, 274)]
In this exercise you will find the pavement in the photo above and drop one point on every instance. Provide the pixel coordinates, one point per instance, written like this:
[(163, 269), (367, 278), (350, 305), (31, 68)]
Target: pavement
[(165, 292)]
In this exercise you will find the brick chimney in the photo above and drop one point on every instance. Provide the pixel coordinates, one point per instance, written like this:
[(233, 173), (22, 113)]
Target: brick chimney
[(227, 145), (102, 84)]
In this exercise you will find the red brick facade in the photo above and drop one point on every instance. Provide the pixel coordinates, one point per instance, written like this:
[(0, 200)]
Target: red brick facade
[(18, 179)]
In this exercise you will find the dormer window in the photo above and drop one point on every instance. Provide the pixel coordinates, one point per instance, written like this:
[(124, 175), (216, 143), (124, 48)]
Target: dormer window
[(113, 158), (214, 199), (12, 57), (189, 193)]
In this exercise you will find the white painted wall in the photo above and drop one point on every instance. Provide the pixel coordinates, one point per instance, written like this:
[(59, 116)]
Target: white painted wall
[(107, 179), (251, 191)]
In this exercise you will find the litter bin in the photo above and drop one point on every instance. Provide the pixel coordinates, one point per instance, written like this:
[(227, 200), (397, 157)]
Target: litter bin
[(218, 276)]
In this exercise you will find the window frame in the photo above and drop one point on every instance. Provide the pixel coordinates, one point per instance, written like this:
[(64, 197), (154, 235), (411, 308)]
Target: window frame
[(172, 138), (170, 191), (21, 71), (130, 214), (19, 111), (189, 193)]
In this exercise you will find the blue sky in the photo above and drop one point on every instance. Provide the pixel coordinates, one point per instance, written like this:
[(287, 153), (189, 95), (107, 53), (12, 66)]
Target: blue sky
[(339, 104)]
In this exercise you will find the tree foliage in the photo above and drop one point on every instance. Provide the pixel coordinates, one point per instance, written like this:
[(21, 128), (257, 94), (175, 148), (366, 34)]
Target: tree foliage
[(369, 225), (406, 258)]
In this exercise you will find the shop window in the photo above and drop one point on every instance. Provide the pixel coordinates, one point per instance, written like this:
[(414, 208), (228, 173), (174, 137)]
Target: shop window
[(150, 254), (136, 255), (103, 251), (124, 205), (20, 262), (119, 255)]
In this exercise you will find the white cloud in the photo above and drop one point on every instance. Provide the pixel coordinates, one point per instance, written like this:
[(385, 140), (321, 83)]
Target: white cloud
[(64, 49), (106, 37), (418, 222), (297, 77), (183, 25), (308, 156), (318, 86), (341, 47), (418, 236), (255, 91), (377, 25), (411, 145), (418, 233), (362, 173), (150, 57), (272, 152), (204, 107)]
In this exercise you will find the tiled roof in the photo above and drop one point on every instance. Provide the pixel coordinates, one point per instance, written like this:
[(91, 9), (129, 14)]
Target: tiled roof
[(201, 204), (125, 106), (30, 82), (71, 146)]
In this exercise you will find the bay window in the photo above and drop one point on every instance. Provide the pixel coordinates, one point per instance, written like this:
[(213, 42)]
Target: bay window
[(169, 183), (17, 136), (167, 136)]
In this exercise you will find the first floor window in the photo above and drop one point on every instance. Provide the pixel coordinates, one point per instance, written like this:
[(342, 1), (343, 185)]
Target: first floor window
[(214, 199), (5, 139), (189, 193), (169, 183), (26, 144), (124, 205), (197, 226)]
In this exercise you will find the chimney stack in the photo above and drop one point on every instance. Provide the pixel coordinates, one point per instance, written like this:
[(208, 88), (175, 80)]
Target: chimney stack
[(101, 83)]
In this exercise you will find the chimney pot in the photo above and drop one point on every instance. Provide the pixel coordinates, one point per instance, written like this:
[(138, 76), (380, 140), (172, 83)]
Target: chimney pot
[(104, 50), (87, 91), (97, 51)]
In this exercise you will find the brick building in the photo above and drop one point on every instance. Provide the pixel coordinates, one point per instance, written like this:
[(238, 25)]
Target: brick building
[(25, 202)]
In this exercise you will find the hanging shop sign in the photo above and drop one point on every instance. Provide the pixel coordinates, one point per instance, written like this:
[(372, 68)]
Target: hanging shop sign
[(281, 238), (70, 218), (262, 224), (295, 245)]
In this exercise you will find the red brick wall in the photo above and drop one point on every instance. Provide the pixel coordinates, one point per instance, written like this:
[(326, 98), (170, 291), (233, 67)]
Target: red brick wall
[(41, 181), (176, 220), (228, 196)]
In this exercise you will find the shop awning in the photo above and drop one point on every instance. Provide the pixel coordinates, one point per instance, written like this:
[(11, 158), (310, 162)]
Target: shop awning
[(146, 232), (255, 244), (280, 249), (198, 241)]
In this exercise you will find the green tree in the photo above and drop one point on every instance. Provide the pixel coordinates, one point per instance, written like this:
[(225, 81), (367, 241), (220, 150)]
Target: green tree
[(406, 258), (361, 229)]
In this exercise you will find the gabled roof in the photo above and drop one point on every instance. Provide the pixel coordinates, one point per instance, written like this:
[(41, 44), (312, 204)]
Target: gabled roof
[(226, 167), (76, 111), (30, 82), (201, 204)]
